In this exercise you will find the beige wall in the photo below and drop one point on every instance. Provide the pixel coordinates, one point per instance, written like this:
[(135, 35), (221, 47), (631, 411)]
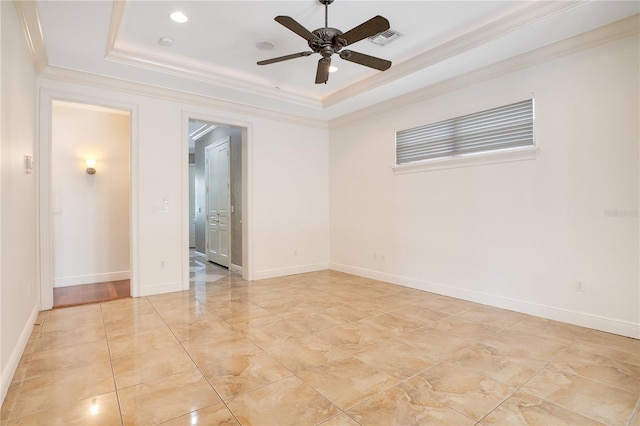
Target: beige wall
[(90, 212), (18, 219), (516, 234)]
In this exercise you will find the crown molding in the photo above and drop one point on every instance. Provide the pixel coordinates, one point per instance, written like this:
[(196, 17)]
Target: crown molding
[(190, 68), (195, 70), (474, 38), (117, 15), (75, 77), (30, 21), (623, 28)]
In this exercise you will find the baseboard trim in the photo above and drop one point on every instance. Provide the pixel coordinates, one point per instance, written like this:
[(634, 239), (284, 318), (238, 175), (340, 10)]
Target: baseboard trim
[(596, 322), (273, 273), (235, 268), (152, 290), (16, 354), (91, 278)]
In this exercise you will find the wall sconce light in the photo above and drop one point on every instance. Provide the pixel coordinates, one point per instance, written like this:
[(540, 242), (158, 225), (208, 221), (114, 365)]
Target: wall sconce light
[(91, 166)]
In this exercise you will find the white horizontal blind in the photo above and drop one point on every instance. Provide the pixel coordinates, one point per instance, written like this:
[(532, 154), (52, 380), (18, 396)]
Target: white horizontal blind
[(508, 126)]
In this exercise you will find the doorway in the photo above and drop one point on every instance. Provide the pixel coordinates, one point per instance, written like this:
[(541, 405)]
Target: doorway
[(90, 203), (216, 156)]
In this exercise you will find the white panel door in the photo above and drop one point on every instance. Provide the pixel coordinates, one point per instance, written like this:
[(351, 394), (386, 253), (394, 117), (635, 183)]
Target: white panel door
[(217, 199)]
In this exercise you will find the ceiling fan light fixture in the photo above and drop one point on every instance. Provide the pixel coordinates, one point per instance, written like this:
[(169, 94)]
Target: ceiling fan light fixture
[(179, 17)]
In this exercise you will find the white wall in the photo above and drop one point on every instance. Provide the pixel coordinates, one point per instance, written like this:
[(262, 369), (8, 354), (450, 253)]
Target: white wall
[(290, 204), (18, 223), (519, 234), (91, 212), (288, 183)]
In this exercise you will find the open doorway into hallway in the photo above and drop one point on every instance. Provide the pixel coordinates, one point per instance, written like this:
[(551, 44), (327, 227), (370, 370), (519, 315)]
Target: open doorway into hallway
[(90, 203), (215, 201)]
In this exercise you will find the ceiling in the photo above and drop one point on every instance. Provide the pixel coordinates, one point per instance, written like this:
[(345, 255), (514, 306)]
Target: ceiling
[(214, 54)]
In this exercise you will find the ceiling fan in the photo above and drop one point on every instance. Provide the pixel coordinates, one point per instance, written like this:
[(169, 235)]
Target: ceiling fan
[(327, 41)]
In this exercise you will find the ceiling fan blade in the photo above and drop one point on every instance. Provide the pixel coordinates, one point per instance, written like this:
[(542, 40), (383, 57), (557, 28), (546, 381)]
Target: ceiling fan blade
[(322, 75), (373, 26), (294, 26), (284, 58), (366, 60)]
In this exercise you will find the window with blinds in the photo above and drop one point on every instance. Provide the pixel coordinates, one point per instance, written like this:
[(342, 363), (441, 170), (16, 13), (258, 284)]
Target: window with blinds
[(509, 126)]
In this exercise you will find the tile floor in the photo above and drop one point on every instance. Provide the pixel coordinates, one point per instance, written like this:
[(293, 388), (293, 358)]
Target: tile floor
[(323, 348)]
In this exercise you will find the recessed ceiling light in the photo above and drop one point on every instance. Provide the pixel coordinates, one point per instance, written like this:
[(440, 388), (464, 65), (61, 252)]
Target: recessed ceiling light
[(179, 17), (265, 45), (166, 41), (333, 69)]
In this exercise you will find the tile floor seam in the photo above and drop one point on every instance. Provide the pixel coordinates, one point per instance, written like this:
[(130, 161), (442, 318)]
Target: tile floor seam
[(317, 391), (636, 411), (484, 375), (497, 406), (201, 372), (186, 414), (113, 373), (21, 381), (591, 379), (548, 364), (337, 415)]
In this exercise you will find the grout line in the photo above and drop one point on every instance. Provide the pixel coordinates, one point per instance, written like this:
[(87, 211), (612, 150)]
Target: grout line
[(195, 363), (113, 374), (636, 411)]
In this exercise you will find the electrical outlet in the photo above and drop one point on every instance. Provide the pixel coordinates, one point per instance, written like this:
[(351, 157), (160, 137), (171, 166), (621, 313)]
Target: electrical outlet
[(383, 257), (162, 264), (580, 286)]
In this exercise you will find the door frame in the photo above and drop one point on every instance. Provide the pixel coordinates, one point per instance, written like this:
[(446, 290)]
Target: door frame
[(43, 178), (247, 222)]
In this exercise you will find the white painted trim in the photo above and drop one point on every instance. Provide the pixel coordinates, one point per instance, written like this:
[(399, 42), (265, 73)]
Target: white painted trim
[(273, 273), (162, 288), (597, 322), (519, 19), (616, 31), (503, 156), (18, 350), (110, 83), (43, 172), (117, 15), (91, 278), (246, 130), (247, 203), (205, 72), (43, 187), (235, 268), (30, 19)]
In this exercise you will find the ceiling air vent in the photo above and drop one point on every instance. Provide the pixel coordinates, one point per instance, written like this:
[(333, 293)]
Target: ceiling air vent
[(385, 37)]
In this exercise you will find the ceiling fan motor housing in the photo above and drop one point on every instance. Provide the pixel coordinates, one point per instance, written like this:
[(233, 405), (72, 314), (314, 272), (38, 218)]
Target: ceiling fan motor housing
[(327, 37)]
